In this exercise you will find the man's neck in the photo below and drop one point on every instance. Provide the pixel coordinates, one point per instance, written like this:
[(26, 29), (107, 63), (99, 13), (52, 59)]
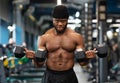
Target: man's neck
[(60, 33)]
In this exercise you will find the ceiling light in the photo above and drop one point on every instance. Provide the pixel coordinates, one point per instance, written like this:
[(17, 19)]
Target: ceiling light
[(59, 2)]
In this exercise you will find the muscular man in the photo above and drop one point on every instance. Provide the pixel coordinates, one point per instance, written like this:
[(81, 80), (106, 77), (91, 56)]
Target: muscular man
[(60, 43)]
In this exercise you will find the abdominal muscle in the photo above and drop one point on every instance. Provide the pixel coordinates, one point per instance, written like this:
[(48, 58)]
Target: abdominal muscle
[(60, 62)]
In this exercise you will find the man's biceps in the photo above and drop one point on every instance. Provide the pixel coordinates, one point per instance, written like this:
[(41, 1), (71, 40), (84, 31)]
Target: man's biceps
[(42, 47), (79, 47)]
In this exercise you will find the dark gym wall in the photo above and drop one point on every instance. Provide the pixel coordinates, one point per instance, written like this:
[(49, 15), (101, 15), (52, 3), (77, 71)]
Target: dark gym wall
[(5, 10)]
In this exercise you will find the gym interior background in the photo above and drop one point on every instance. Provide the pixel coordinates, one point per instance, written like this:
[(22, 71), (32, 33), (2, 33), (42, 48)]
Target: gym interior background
[(22, 21)]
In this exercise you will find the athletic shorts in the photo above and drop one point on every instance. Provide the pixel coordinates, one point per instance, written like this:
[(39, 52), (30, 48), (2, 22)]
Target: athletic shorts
[(68, 76)]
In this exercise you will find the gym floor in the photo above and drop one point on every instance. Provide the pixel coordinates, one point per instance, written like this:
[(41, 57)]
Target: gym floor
[(82, 76)]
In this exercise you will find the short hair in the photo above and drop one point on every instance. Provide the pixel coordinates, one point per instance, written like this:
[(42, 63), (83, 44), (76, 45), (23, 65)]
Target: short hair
[(60, 11)]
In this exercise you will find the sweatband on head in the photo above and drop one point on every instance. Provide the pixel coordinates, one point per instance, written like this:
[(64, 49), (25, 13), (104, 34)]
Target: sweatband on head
[(60, 11)]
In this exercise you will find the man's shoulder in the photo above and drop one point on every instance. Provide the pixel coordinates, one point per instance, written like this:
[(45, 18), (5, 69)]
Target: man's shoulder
[(75, 35), (49, 31)]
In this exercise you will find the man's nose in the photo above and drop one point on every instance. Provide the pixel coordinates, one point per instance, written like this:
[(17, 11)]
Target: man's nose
[(59, 23)]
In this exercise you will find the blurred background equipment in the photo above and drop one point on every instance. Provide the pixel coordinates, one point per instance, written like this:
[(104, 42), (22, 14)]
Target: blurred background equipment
[(22, 21)]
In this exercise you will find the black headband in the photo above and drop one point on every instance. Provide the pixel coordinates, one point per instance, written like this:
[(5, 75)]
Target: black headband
[(60, 11)]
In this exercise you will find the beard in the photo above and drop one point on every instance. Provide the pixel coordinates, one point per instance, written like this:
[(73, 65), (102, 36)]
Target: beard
[(61, 31)]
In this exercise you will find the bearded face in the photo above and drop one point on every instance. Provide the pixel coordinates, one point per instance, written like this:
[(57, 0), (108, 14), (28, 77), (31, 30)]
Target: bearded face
[(60, 25)]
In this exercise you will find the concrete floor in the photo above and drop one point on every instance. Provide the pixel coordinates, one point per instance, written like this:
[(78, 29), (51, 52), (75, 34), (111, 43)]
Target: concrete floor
[(82, 77)]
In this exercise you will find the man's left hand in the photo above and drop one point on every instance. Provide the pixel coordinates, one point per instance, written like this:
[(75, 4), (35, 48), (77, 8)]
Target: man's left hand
[(90, 53)]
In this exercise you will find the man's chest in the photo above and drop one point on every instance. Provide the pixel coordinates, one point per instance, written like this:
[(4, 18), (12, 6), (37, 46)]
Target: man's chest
[(64, 42)]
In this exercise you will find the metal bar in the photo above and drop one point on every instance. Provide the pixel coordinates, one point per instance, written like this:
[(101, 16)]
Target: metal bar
[(2, 72), (102, 62)]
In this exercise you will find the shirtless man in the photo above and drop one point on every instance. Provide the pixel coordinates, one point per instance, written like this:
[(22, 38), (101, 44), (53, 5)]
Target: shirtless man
[(60, 43)]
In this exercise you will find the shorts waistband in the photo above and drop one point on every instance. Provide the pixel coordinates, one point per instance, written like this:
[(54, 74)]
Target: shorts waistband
[(59, 72)]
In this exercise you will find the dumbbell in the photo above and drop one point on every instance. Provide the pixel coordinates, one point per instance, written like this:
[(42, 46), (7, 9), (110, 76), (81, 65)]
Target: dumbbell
[(40, 55), (80, 55), (19, 51), (102, 50)]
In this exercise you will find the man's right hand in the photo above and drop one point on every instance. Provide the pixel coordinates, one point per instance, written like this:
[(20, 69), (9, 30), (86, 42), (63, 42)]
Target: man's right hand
[(29, 53)]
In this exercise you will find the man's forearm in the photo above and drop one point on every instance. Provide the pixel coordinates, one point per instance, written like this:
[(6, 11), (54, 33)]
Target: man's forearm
[(83, 62), (37, 64)]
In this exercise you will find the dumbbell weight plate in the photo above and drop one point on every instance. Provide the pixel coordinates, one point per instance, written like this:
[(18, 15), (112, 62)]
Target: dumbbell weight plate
[(19, 51)]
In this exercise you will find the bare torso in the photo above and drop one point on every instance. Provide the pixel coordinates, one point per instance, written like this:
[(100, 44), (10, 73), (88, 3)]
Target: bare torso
[(60, 50)]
